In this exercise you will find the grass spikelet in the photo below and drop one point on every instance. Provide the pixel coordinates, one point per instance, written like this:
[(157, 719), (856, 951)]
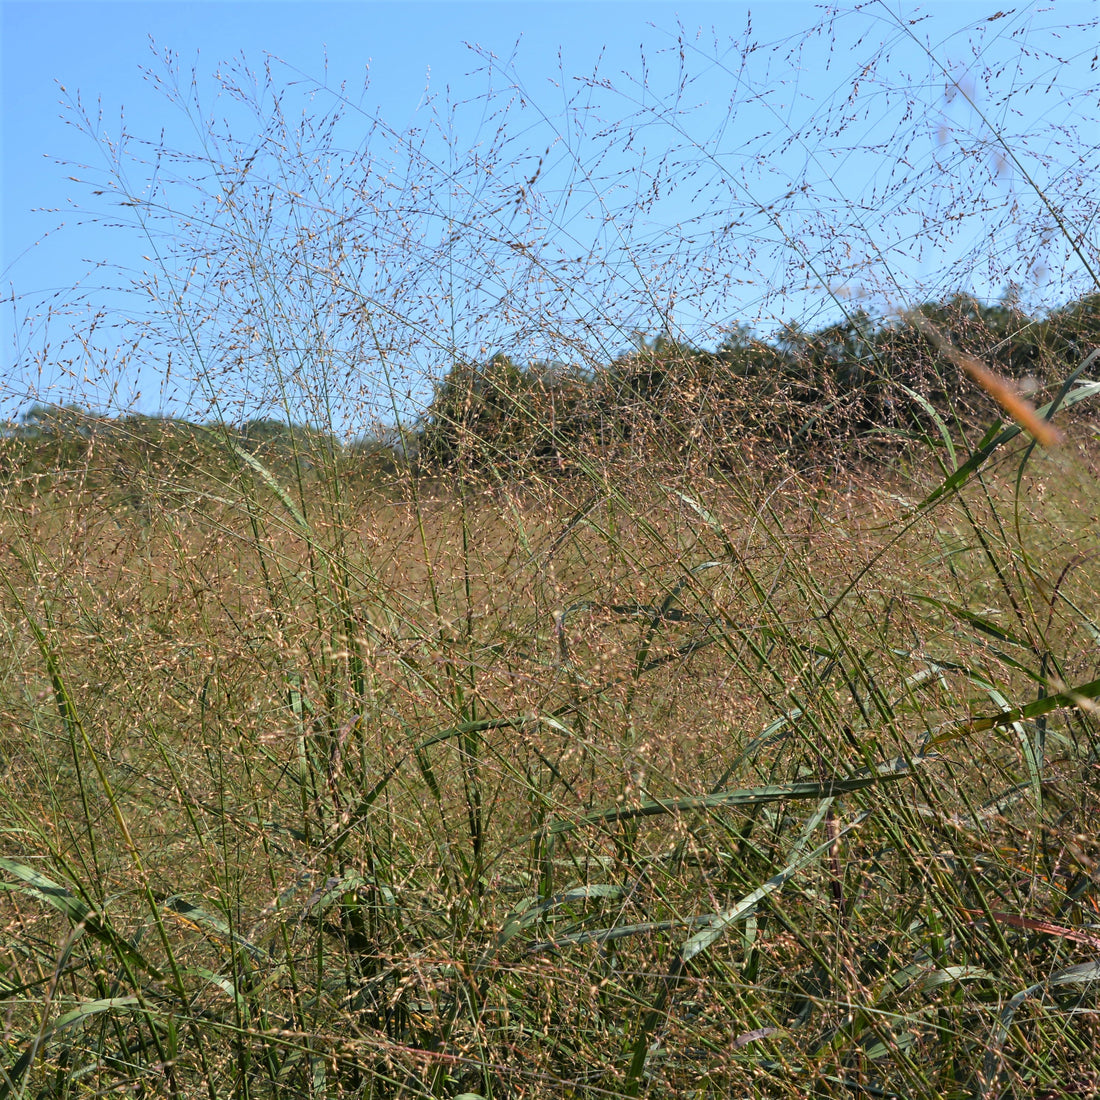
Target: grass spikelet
[(1001, 390)]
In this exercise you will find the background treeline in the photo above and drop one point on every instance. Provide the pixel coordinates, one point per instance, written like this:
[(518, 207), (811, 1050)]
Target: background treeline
[(856, 391)]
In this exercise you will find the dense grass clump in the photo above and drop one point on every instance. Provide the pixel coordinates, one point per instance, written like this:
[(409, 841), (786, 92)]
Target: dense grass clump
[(659, 786), (673, 722)]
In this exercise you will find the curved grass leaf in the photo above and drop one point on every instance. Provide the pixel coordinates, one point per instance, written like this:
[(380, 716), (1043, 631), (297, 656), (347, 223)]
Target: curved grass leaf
[(1067, 397), (269, 480), (979, 622), (617, 932), (14, 1076), (524, 917), (1059, 700), (718, 923), (201, 916), (1079, 974), (75, 910), (95, 1008), (751, 796), (950, 974), (930, 411)]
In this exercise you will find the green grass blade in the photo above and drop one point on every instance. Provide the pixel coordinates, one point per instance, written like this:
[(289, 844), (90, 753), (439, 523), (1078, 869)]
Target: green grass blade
[(76, 911), (752, 796), (719, 923), (272, 483)]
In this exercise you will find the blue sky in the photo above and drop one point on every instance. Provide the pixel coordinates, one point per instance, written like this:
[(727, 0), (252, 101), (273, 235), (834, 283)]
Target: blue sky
[(800, 169)]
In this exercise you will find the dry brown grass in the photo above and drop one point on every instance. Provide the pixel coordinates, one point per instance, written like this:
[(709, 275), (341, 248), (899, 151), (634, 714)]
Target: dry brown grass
[(529, 656), (649, 766)]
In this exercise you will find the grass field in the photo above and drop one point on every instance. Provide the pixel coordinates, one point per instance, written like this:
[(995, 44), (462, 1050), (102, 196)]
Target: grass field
[(665, 723), (667, 783)]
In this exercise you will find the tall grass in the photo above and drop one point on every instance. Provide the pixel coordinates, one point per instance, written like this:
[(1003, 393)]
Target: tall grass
[(660, 775)]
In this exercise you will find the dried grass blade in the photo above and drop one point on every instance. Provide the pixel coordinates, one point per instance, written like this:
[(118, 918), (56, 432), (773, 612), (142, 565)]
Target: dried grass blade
[(1003, 392)]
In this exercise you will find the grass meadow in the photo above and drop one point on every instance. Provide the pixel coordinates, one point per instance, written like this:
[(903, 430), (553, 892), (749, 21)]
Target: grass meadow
[(634, 773)]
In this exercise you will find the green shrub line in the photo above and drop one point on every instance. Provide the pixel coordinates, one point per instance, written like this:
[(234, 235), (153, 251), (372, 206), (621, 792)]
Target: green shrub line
[(855, 392)]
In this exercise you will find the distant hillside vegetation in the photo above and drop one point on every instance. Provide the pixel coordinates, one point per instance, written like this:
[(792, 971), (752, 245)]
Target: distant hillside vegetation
[(861, 390)]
